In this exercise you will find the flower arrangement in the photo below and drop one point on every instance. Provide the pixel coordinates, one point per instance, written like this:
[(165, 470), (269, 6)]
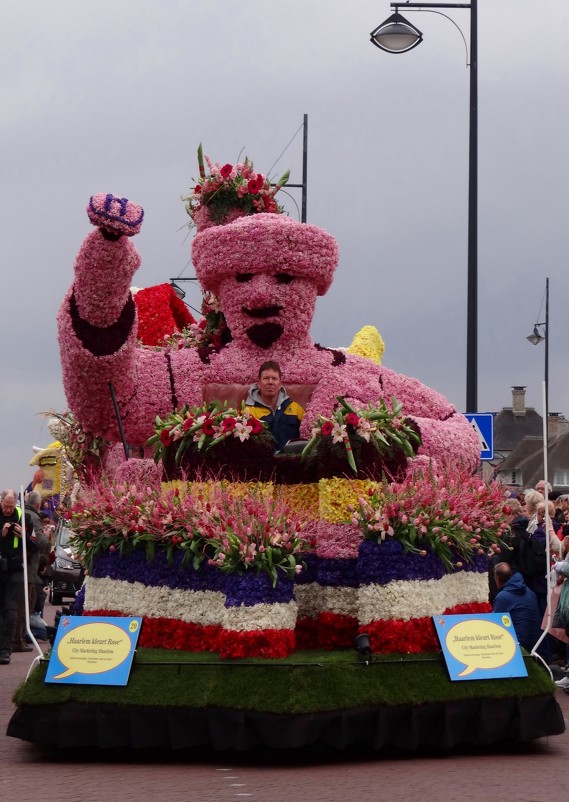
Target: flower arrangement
[(201, 428), (255, 534), (235, 534), (456, 518), (230, 191), (82, 449), (122, 518), (383, 427)]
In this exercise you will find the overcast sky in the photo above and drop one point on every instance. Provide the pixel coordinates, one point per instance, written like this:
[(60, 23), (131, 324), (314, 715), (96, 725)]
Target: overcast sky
[(116, 96)]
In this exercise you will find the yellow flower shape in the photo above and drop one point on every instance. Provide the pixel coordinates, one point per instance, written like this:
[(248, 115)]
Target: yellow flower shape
[(368, 343)]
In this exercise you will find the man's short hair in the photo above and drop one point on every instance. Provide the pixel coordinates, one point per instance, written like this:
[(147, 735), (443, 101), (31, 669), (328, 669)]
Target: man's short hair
[(34, 498), (503, 572), (270, 364)]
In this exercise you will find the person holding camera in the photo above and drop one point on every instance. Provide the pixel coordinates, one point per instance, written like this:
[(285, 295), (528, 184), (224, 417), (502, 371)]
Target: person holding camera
[(11, 567)]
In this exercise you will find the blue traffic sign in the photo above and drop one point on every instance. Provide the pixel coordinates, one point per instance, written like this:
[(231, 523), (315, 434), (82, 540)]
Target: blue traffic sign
[(483, 425)]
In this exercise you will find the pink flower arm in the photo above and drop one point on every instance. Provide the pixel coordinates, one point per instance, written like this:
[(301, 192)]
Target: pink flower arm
[(97, 329), (103, 275)]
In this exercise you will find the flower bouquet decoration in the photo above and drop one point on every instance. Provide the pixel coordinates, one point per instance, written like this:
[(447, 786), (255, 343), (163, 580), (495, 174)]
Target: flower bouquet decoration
[(367, 439), (215, 438), (230, 191), (454, 518), (254, 534)]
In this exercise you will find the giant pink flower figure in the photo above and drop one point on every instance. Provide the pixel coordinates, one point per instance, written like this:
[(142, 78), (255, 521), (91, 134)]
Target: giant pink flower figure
[(267, 271)]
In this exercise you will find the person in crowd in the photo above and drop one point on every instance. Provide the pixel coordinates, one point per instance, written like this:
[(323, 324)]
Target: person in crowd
[(269, 402), (516, 599), (510, 552), (541, 485), (11, 567), (32, 506), (532, 499), (555, 532), (38, 626)]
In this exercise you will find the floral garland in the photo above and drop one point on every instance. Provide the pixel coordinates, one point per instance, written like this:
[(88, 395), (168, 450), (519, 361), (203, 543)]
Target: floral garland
[(202, 428), (455, 518), (386, 429), (230, 191)]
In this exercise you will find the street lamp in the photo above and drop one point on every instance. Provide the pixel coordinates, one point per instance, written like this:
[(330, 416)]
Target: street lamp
[(398, 35), (536, 337)]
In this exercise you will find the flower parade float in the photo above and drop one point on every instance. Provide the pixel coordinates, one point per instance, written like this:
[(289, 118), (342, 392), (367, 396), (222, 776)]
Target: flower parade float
[(253, 572)]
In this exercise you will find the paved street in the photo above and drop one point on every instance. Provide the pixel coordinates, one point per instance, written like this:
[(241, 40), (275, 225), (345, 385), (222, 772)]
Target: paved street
[(533, 774)]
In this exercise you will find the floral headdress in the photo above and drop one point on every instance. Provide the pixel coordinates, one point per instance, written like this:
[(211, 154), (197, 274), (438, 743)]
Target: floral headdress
[(230, 191)]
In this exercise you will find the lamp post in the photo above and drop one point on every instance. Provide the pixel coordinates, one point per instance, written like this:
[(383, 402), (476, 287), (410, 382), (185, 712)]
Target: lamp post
[(398, 35), (536, 337)]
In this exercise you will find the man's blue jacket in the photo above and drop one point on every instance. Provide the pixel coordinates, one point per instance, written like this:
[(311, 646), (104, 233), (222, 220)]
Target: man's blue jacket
[(519, 601)]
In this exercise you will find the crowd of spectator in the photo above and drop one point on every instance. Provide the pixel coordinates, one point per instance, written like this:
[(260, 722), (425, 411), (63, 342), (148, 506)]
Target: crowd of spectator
[(531, 565)]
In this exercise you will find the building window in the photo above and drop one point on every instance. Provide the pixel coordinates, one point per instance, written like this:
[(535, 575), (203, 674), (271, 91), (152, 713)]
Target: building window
[(512, 477), (561, 478)]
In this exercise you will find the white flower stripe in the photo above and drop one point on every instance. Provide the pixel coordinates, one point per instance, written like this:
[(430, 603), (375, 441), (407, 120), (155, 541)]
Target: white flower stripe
[(260, 616), (419, 598), (204, 607)]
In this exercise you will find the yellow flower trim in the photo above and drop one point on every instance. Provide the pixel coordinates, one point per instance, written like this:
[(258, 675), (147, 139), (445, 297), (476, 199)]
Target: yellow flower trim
[(368, 343), (302, 499), (336, 495)]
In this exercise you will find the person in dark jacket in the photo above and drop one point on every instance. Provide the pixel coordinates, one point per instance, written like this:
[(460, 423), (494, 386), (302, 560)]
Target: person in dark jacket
[(268, 401), (11, 567), (515, 598), (510, 551)]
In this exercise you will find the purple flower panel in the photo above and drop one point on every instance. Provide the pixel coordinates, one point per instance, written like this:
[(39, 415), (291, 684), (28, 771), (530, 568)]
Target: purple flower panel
[(157, 572), (249, 589)]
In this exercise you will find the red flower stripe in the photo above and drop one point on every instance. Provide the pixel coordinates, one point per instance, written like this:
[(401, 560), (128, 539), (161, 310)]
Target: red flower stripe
[(414, 636)]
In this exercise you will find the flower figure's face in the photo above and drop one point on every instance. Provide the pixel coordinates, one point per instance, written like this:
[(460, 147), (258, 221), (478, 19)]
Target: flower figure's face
[(268, 308)]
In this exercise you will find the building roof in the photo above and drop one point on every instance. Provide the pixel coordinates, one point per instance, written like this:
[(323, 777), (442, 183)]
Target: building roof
[(510, 429), (528, 459)]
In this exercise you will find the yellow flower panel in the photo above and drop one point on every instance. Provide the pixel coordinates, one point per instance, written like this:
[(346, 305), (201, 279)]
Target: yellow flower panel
[(336, 495), (302, 499)]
